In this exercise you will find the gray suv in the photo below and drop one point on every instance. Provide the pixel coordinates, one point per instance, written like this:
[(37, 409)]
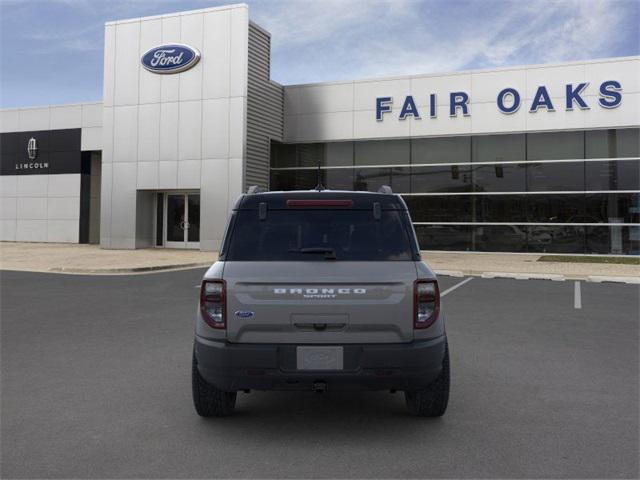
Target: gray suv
[(320, 290)]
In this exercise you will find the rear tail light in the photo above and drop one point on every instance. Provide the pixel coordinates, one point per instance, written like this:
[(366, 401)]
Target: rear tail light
[(426, 303), (213, 303), (320, 203)]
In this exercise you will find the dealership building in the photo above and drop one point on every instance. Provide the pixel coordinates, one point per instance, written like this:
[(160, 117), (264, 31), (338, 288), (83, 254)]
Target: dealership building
[(541, 158)]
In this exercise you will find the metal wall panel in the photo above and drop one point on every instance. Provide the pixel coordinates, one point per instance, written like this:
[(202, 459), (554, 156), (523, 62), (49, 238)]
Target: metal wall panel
[(265, 109)]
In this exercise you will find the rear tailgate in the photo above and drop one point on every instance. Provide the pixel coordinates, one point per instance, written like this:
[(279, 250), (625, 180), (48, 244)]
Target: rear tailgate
[(333, 302)]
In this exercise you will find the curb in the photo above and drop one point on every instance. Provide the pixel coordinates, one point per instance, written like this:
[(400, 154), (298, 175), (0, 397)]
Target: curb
[(154, 268), (599, 279), (540, 276)]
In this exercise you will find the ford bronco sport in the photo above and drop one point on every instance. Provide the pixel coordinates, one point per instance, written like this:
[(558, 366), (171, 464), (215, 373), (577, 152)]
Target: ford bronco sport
[(317, 290)]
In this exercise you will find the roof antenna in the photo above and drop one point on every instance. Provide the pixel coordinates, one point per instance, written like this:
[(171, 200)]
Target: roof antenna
[(319, 186)]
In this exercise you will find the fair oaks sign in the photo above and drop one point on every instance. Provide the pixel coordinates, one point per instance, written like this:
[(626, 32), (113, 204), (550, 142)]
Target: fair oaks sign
[(173, 58), (508, 101)]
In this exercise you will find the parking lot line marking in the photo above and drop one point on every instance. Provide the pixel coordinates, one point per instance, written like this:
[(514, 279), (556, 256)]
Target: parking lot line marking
[(459, 284), (577, 295)]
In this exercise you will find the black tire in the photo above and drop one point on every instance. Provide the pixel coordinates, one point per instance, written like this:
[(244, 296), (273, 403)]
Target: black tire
[(432, 401), (208, 400)]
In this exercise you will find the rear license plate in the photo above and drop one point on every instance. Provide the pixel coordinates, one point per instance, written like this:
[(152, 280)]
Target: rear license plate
[(319, 358)]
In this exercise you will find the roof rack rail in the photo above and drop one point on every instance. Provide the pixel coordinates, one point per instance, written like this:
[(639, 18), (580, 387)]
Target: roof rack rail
[(385, 189), (256, 189)]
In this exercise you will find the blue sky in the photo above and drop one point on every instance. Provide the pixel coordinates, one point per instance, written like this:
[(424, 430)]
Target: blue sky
[(51, 50)]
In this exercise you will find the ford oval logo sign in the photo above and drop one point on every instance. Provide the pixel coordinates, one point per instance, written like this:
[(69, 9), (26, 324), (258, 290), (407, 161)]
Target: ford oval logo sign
[(173, 58)]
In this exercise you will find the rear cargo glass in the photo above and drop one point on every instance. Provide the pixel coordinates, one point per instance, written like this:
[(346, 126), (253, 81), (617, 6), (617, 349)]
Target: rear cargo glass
[(319, 235)]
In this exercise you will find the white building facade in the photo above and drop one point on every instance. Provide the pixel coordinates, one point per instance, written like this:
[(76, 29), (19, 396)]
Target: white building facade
[(538, 158)]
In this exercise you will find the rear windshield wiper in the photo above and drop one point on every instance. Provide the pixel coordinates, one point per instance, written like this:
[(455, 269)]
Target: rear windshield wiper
[(329, 253)]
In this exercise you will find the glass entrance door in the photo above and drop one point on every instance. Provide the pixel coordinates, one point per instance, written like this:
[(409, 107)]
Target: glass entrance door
[(182, 220)]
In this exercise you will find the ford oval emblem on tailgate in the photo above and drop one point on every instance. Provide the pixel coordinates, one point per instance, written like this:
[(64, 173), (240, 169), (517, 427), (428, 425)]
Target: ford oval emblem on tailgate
[(171, 58), (244, 314)]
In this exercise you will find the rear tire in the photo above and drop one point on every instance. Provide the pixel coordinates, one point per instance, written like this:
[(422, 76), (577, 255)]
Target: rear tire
[(431, 401), (207, 399)]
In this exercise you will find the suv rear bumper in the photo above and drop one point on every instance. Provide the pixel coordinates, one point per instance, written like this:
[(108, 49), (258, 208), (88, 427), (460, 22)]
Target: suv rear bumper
[(399, 366)]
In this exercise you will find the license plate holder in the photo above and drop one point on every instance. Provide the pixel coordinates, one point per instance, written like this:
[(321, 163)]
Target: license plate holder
[(320, 358)]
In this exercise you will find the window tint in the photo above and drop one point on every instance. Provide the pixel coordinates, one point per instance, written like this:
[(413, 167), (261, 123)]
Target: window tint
[(338, 178), (445, 178), (293, 179), (339, 154), (556, 208), (499, 148), (382, 152), (283, 155), (500, 208), (307, 235), (613, 207), (441, 150), (499, 178), (613, 175), (500, 238), (309, 154), (555, 145), (549, 177), (556, 239), (616, 240), (371, 179), (613, 143), (436, 208), (444, 237)]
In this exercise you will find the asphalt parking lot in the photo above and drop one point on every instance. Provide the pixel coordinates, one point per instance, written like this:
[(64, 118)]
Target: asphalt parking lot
[(96, 384)]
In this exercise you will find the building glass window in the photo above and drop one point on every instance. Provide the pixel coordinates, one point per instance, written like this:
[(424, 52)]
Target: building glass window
[(555, 145), (283, 155), (371, 179), (382, 152), (440, 208), (615, 240), (500, 208), (499, 178), (338, 154), (549, 177), (500, 238), (556, 239), (613, 175), (310, 154), (612, 143), (441, 179), (338, 178), (568, 208), (613, 207), (512, 193), (499, 148), (441, 150), (444, 237), (293, 179)]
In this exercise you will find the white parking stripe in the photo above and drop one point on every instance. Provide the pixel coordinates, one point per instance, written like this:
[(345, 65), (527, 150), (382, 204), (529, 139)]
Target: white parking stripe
[(459, 284), (577, 296)]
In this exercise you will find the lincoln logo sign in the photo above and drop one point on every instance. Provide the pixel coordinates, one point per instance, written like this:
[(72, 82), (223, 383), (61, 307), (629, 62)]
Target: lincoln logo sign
[(172, 58), (508, 101), (32, 154), (32, 149)]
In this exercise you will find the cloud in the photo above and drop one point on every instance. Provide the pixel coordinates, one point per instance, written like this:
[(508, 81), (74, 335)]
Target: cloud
[(321, 40), (359, 39)]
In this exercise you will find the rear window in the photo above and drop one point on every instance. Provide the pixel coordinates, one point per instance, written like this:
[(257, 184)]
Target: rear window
[(318, 235)]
